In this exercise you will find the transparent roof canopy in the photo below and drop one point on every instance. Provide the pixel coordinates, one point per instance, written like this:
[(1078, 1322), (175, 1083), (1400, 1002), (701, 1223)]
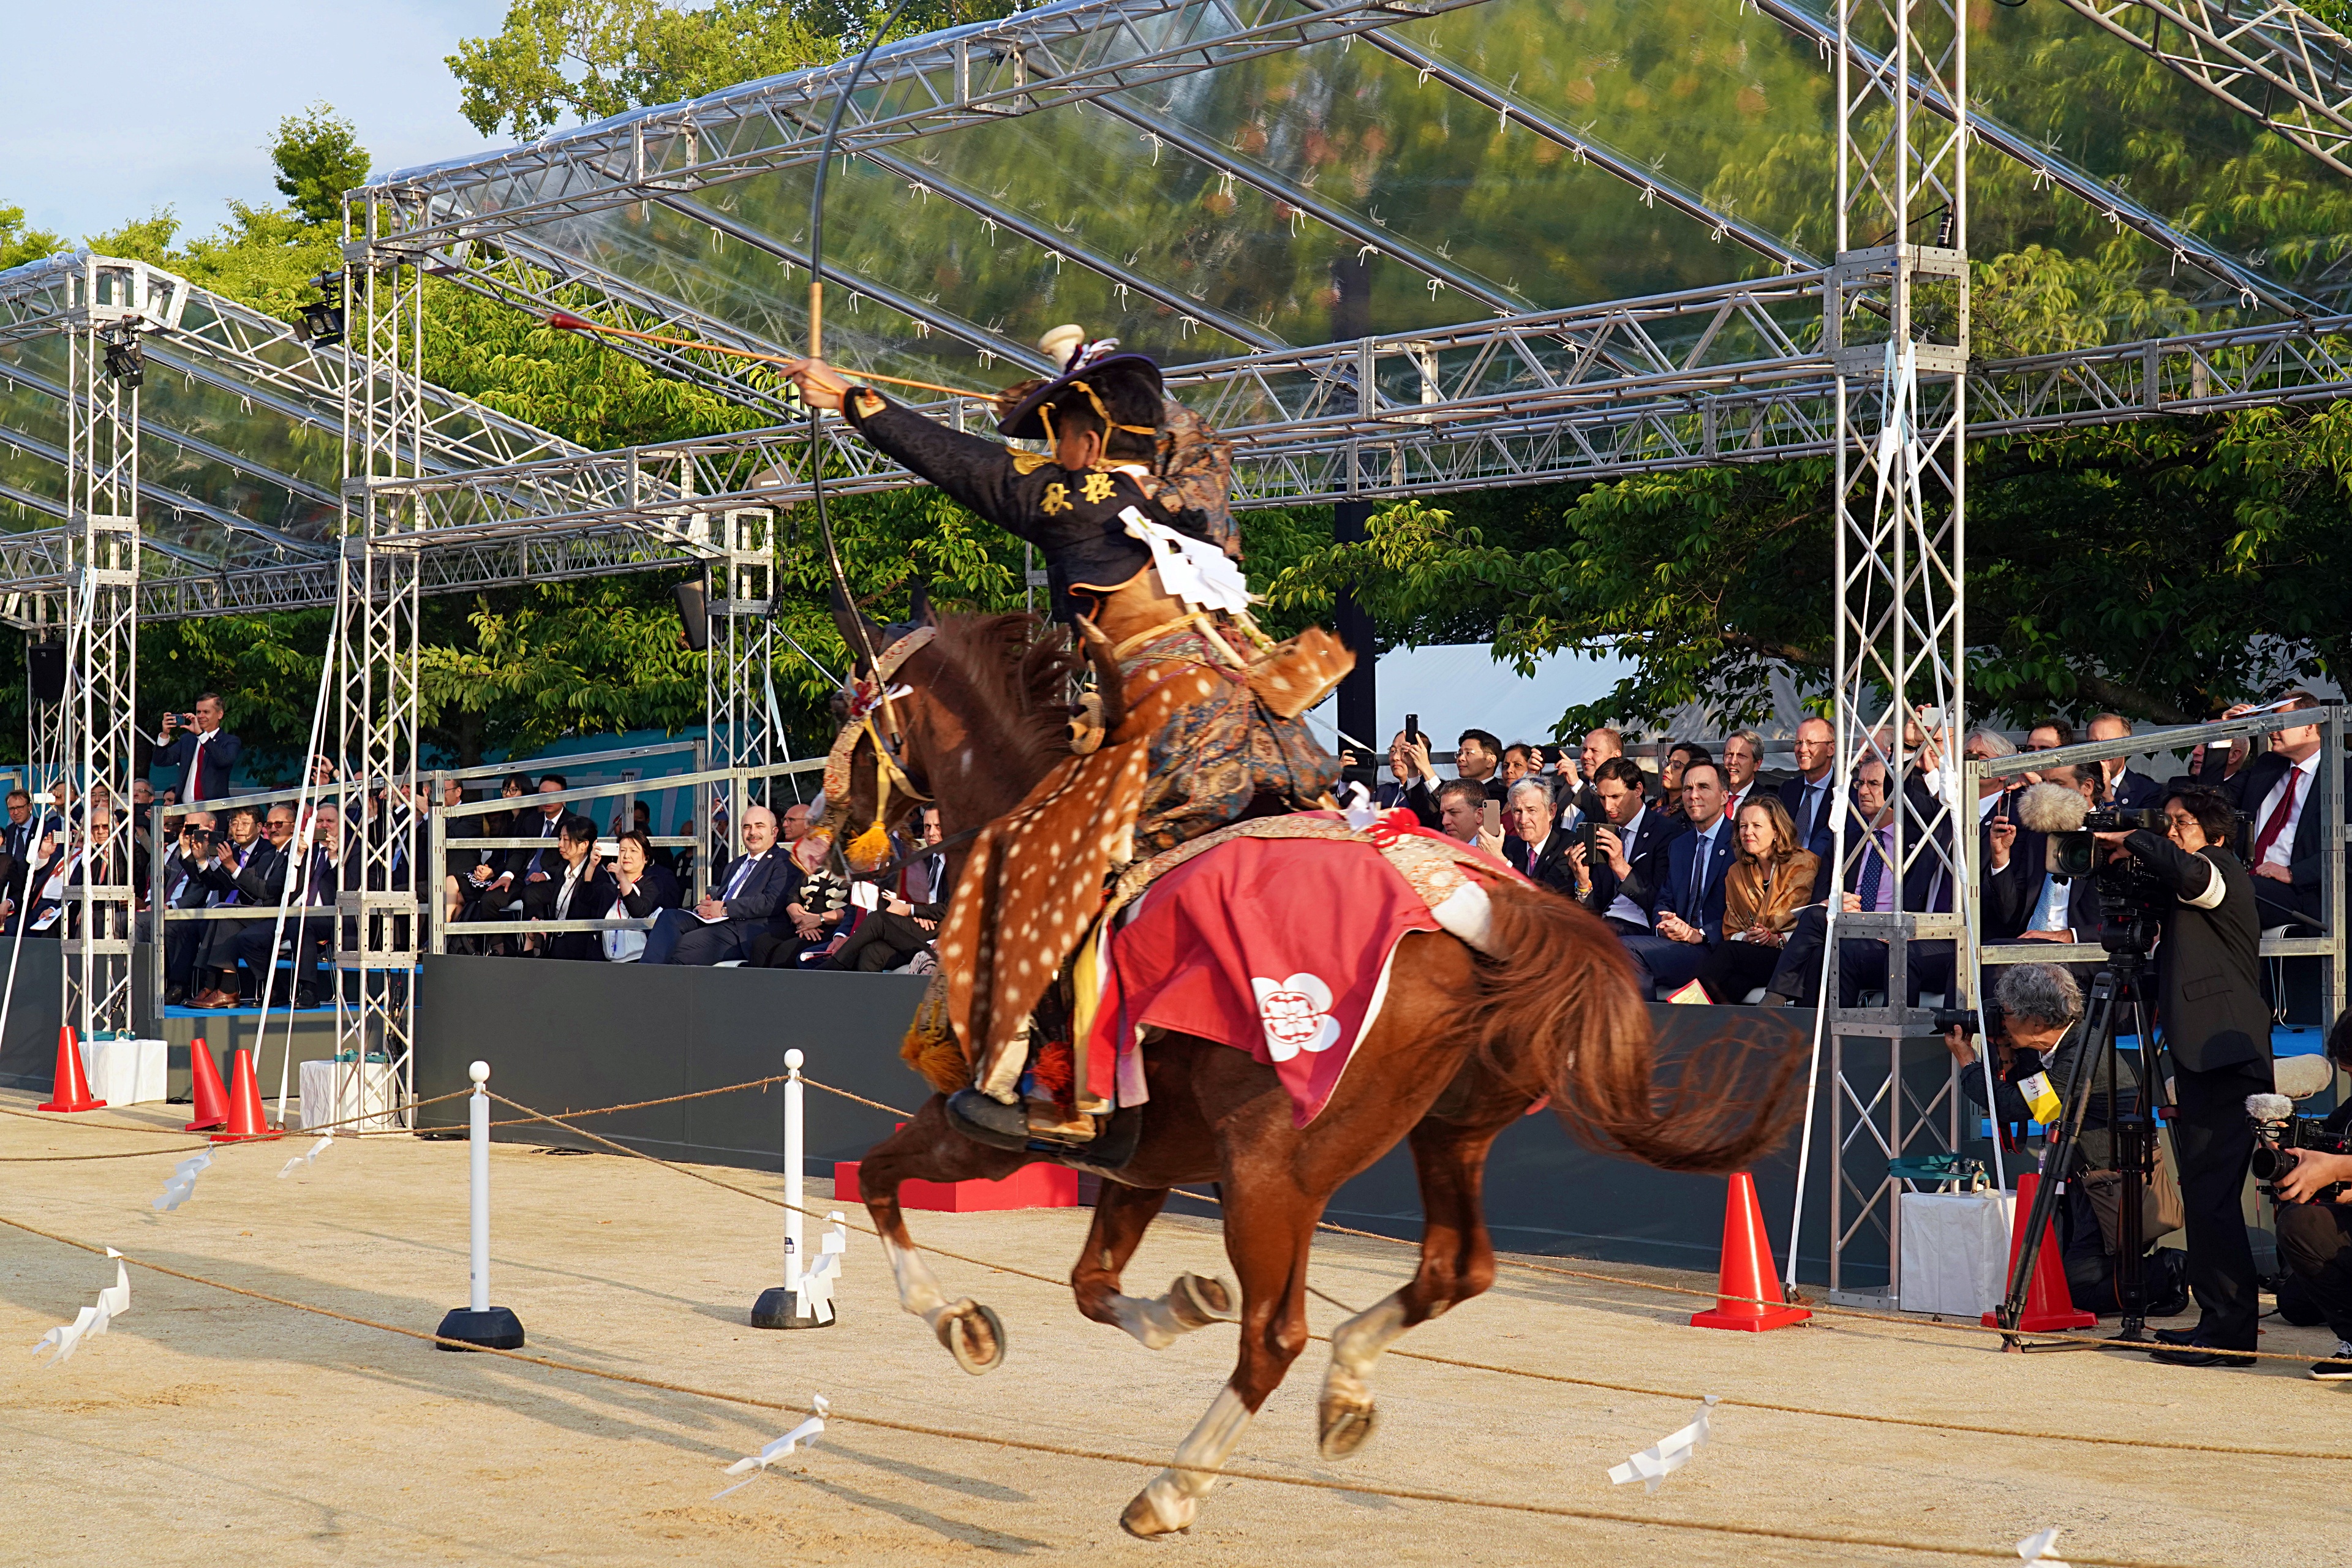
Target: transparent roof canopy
[(1441, 170)]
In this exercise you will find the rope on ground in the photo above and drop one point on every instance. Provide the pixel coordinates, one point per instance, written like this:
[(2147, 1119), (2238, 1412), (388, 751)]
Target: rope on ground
[(1309, 1483), (1679, 1395), (203, 1140)]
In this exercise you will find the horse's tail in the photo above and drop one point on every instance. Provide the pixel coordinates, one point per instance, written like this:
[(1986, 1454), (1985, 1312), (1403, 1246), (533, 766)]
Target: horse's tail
[(1561, 1006)]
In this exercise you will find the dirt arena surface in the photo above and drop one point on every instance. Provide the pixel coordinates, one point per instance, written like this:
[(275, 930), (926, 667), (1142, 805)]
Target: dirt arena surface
[(208, 1427)]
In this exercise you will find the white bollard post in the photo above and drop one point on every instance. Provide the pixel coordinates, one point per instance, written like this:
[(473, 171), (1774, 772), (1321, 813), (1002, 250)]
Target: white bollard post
[(478, 1322), (792, 1306)]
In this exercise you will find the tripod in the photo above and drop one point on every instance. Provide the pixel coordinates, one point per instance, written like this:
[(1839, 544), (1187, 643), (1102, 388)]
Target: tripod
[(2118, 988)]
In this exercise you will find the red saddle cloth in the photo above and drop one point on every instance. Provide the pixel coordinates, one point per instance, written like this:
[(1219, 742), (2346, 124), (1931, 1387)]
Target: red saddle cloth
[(1279, 947)]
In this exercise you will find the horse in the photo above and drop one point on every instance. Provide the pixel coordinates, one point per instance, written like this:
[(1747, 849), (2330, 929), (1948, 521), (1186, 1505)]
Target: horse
[(1465, 1043)]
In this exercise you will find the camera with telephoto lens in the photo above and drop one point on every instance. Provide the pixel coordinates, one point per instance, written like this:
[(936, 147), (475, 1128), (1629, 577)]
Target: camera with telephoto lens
[(2281, 1136), (2076, 854)]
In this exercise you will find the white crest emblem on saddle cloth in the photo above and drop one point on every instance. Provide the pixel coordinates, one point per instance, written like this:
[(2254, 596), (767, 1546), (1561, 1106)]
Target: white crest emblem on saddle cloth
[(1297, 1014)]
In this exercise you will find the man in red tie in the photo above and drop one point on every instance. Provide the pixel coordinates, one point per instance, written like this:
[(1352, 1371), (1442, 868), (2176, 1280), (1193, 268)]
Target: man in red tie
[(195, 743), (2275, 791)]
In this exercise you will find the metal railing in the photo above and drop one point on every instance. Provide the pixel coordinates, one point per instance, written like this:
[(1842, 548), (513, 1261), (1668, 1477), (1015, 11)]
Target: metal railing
[(740, 783)]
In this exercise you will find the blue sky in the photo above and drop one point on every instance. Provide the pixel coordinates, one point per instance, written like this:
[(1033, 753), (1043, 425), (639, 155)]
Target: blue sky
[(182, 121)]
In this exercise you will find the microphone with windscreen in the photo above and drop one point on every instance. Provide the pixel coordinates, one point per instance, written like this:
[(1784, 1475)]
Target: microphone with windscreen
[(2051, 808)]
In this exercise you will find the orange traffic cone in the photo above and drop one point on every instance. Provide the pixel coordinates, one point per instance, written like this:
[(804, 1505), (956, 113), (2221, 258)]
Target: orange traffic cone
[(71, 1089), (245, 1120), (1748, 1270), (204, 1081), (2048, 1306)]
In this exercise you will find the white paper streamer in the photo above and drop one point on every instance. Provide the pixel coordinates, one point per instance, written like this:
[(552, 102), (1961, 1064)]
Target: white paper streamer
[(304, 1160), (2035, 1549), (1652, 1466), (806, 1433), (91, 1321), (182, 1183)]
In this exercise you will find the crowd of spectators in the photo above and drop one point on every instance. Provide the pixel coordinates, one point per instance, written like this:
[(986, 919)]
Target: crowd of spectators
[(1715, 871)]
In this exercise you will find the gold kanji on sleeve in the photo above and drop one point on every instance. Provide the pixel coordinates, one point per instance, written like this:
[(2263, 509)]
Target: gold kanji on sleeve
[(1097, 488), (1056, 499)]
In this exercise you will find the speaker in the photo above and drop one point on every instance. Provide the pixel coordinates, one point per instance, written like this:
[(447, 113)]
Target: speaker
[(45, 663), (693, 608)]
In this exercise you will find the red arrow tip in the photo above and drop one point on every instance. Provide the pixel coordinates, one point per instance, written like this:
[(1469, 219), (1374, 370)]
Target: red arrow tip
[(565, 321)]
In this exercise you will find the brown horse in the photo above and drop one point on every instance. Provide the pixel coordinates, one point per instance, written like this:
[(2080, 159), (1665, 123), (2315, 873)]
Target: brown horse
[(1466, 1042)]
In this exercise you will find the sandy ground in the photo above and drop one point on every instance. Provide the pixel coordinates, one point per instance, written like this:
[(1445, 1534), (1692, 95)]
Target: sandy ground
[(209, 1427)]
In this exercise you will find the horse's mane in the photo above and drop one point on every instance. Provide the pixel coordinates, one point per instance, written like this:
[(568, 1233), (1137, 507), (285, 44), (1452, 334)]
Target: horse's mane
[(1020, 681)]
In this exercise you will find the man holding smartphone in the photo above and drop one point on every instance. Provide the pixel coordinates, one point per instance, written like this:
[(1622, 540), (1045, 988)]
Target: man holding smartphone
[(197, 744)]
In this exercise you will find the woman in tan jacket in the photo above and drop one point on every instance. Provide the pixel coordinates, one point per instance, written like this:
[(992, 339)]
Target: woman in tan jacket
[(1761, 892)]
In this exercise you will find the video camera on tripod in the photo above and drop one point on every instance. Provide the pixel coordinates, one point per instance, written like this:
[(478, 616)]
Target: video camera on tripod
[(2132, 898)]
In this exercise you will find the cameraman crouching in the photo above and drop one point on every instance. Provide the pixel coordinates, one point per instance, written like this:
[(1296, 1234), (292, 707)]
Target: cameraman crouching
[(2034, 1027), (2315, 1239), (2218, 1030)]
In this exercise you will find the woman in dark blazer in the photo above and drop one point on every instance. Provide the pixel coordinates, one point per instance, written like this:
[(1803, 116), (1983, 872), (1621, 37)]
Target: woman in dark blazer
[(645, 885)]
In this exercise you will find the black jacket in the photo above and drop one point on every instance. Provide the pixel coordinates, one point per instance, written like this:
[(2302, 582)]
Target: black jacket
[(1547, 862), (1645, 863), (1072, 518), (220, 754), (2253, 786), (2208, 968), (657, 890), (533, 825)]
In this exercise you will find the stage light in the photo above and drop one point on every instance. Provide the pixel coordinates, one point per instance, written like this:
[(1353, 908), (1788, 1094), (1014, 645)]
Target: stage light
[(126, 361), (320, 322)]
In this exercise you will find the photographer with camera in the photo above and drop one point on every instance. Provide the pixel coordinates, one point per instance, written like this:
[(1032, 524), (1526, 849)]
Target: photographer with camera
[(2218, 1030), (2034, 1027), (204, 752), (2314, 1220)]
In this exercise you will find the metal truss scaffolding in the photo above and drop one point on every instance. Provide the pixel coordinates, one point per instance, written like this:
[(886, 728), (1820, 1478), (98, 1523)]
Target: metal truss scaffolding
[(2273, 62), (736, 700), (92, 740), (1896, 317)]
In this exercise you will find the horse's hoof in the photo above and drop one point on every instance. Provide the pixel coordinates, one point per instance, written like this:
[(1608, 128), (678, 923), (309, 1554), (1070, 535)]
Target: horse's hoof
[(974, 1335), (1148, 1518), (1347, 1426), (1200, 1300)]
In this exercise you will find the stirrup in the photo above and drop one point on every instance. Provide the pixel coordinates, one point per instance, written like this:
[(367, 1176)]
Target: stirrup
[(988, 1120)]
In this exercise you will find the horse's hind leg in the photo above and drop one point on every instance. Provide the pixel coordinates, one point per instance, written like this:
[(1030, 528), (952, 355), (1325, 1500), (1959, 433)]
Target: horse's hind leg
[(1457, 1262), (1266, 1238), (927, 1150), (1193, 1301)]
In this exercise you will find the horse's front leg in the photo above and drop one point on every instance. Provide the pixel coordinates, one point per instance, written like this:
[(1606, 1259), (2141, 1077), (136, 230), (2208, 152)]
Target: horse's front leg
[(926, 1149), (1266, 1236), (1193, 1301)]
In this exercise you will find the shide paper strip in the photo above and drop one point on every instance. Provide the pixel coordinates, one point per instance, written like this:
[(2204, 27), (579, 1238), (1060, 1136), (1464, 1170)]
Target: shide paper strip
[(1652, 1466), (804, 1434), (91, 1321)]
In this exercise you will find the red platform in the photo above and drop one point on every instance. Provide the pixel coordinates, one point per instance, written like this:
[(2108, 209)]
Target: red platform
[(1039, 1186)]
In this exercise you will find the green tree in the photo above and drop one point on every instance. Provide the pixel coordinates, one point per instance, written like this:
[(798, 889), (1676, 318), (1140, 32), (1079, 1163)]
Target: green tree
[(20, 242), (318, 157)]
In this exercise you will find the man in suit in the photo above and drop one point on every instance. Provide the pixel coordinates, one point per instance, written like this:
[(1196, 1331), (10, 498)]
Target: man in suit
[(1743, 754), (18, 842), (1622, 888), (743, 896), (1869, 883), (1533, 842), (2024, 901), (908, 917), (180, 888), (1478, 758), (236, 872), (1808, 796), (205, 752), (1690, 898), (2218, 1030), (2127, 788), (316, 871), (1413, 779), (530, 867), (2275, 792)]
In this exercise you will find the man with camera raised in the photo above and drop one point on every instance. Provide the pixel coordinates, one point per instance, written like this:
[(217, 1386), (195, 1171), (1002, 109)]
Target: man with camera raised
[(2218, 1030), (2314, 1224)]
